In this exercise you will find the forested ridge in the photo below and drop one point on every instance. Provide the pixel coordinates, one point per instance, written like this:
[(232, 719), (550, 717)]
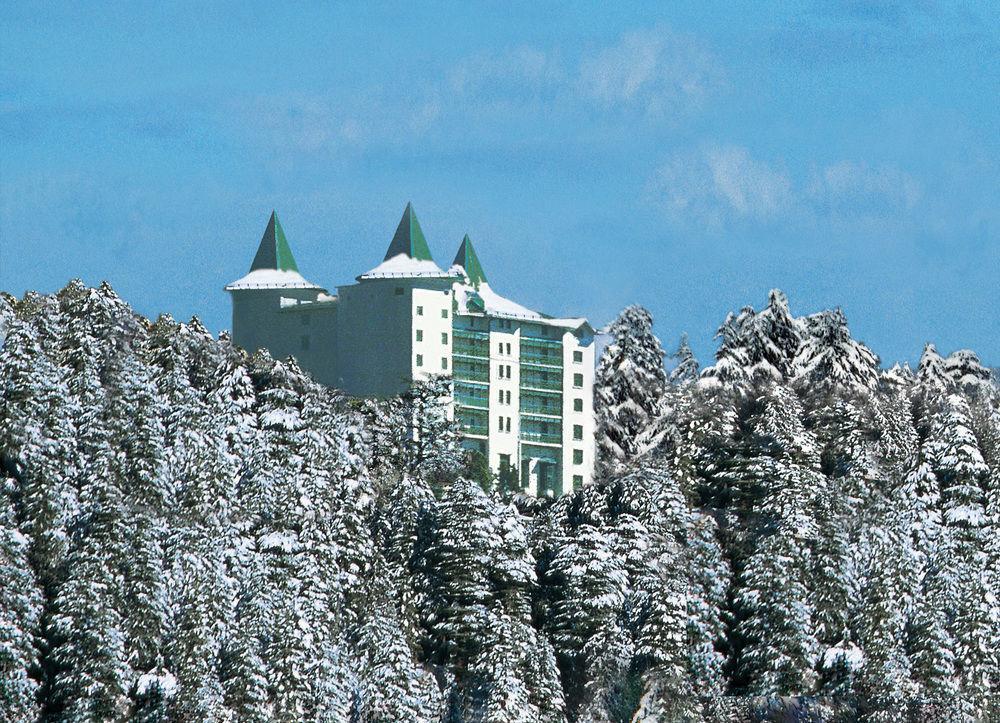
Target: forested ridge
[(191, 533)]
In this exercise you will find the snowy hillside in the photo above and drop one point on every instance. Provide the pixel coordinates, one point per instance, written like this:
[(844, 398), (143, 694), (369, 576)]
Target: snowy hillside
[(189, 533)]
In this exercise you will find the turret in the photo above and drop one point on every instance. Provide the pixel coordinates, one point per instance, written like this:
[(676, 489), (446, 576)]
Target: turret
[(257, 297)]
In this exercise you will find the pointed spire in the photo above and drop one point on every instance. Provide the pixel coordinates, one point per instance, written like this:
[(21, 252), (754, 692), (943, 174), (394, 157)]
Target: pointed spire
[(467, 259), (409, 238), (274, 252)]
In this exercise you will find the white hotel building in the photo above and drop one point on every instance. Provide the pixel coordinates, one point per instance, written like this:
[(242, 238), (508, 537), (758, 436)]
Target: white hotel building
[(523, 381)]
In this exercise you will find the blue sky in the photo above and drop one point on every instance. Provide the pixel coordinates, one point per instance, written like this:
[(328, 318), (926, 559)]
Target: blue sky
[(687, 156)]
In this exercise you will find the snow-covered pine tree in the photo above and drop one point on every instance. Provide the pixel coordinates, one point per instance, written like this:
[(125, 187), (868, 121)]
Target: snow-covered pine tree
[(732, 359), (20, 614), (829, 357), (482, 576), (412, 433), (37, 446), (931, 371), (966, 370), (686, 365), (628, 391)]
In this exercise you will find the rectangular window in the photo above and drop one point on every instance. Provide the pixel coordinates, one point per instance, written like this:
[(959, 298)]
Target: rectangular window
[(508, 397), (444, 362), (444, 338), (577, 482), (444, 313), (500, 395), (577, 405), (578, 381), (508, 372), (420, 334), (420, 360), (500, 423), (499, 348), (399, 291), (577, 431), (508, 350), (578, 357), (508, 424), (577, 456), (420, 311), (305, 343), (500, 371)]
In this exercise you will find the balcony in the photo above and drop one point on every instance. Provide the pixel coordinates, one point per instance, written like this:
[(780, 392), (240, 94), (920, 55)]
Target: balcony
[(548, 360), (472, 401), (471, 371), (541, 437), (529, 406), (534, 379), (471, 422)]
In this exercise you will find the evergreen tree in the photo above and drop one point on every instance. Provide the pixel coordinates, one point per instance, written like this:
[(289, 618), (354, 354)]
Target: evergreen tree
[(628, 390), (20, 614), (686, 368)]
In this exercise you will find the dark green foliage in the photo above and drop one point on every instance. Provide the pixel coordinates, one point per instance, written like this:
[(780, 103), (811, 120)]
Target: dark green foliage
[(191, 533)]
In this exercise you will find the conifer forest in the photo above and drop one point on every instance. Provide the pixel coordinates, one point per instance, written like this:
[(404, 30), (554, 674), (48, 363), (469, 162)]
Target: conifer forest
[(795, 531)]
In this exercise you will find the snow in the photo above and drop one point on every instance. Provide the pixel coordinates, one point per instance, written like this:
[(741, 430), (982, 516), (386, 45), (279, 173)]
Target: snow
[(272, 279), (166, 682), (402, 266), (501, 306), (847, 653), (283, 541)]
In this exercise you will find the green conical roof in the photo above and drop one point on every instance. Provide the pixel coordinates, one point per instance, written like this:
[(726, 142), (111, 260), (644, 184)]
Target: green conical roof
[(409, 238), (274, 252), (467, 259)]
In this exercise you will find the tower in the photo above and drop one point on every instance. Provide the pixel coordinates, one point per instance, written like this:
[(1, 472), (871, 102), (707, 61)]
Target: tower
[(272, 284)]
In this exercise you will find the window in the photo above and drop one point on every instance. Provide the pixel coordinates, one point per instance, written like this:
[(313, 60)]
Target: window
[(305, 343), (578, 381), (444, 338), (420, 334), (444, 362), (508, 350), (508, 372), (577, 482), (500, 371), (577, 405), (508, 424), (420, 311), (420, 360), (577, 431), (508, 397), (577, 456), (578, 357), (499, 348), (399, 291), (444, 313)]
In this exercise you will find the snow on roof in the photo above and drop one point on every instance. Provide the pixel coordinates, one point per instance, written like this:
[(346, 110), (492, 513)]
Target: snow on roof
[(496, 305), (272, 279), (403, 266)]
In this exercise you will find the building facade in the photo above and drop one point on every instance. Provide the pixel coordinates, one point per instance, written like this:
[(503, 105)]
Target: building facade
[(523, 381)]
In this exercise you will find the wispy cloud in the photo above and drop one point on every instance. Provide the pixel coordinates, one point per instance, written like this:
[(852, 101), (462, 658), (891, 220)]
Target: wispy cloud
[(655, 70), (720, 186)]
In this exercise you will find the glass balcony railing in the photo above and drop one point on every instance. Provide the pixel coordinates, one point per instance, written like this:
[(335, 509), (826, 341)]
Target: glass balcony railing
[(472, 422), (541, 380), (543, 437), (471, 371), (529, 406), (472, 400), (545, 359), (466, 349)]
